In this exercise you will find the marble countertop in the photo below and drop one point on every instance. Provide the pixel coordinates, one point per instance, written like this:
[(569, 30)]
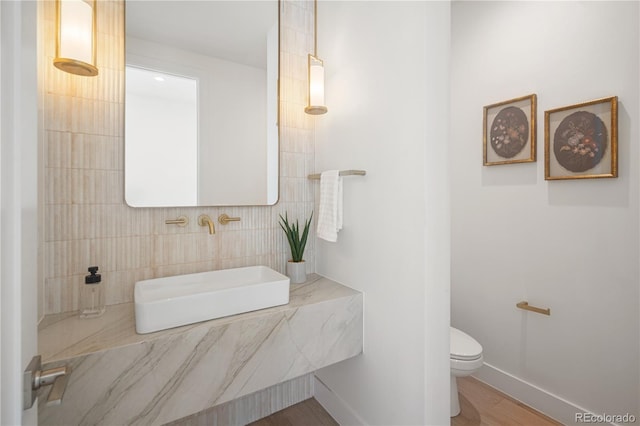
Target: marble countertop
[(120, 377), (66, 335)]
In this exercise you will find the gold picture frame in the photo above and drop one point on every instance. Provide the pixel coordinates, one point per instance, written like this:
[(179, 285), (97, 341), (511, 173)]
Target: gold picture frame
[(509, 131), (581, 140)]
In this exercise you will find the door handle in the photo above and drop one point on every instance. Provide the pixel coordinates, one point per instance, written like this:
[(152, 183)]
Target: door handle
[(34, 378)]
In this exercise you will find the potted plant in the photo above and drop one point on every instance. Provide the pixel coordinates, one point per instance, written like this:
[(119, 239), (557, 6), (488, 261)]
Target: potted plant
[(296, 268)]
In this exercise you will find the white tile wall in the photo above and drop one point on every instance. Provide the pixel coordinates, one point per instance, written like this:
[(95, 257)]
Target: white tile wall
[(86, 219)]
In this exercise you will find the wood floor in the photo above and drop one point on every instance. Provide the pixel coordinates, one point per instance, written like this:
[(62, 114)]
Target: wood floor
[(481, 405)]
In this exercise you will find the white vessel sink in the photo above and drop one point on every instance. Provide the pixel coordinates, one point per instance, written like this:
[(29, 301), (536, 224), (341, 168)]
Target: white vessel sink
[(168, 302)]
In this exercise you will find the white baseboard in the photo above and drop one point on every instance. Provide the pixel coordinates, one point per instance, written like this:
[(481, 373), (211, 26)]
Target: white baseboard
[(539, 399), (335, 406), (547, 403)]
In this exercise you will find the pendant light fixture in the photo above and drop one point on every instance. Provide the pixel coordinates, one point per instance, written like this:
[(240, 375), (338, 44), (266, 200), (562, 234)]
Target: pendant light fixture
[(76, 37), (316, 73)]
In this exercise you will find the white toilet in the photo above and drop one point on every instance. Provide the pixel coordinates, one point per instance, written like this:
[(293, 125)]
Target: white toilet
[(465, 358)]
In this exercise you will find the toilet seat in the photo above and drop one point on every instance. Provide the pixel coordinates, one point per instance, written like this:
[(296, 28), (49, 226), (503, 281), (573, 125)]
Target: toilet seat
[(466, 367), (463, 347), (465, 358)]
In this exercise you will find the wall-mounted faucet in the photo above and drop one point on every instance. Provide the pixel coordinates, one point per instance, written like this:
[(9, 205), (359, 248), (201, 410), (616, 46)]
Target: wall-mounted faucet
[(204, 220)]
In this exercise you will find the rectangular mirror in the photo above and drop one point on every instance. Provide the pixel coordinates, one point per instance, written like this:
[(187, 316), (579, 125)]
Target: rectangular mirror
[(201, 103)]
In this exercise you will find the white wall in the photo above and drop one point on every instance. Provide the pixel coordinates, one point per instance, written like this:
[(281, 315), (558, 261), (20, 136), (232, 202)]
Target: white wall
[(572, 246), (387, 118)]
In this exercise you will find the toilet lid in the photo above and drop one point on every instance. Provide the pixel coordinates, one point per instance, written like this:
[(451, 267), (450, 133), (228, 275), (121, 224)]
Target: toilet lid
[(463, 346)]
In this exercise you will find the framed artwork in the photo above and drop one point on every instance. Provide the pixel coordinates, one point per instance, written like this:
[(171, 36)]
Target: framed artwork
[(581, 141), (509, 131)]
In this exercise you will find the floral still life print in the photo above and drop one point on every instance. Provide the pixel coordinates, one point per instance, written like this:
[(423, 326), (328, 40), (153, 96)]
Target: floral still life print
[(581, 141), (509, 131)]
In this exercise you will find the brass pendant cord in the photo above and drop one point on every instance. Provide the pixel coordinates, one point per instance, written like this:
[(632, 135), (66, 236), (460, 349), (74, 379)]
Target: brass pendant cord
[(318, 65), (315, 28)]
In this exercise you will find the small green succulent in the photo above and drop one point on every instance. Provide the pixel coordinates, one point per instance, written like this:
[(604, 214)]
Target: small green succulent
[(297, 242)]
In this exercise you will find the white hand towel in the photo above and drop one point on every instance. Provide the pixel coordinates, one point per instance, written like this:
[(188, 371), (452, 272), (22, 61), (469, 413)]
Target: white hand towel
[(330, 215)]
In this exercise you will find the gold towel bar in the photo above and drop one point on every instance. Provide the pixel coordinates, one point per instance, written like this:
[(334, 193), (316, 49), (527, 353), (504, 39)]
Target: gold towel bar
[(525, 305), (342, 173)]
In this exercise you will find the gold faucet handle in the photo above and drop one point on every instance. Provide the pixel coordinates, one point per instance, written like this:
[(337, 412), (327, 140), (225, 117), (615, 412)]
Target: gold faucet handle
[(180, 221), (225, 218)]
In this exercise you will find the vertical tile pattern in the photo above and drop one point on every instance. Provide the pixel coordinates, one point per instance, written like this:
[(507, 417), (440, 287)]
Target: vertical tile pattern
[(252, 407), (87, 221)]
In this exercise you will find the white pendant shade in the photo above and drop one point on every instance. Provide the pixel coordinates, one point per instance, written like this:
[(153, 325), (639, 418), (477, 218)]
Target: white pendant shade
[(316, 87), (75, 47)]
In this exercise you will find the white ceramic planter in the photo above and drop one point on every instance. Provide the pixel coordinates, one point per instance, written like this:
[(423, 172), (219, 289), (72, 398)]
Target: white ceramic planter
[(297, 271)]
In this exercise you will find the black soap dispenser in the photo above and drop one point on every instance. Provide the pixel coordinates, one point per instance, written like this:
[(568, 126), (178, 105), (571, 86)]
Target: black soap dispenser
[(92, 298)]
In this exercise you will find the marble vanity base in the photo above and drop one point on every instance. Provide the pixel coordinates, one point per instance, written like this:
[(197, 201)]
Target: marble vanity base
[(161, 377)]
